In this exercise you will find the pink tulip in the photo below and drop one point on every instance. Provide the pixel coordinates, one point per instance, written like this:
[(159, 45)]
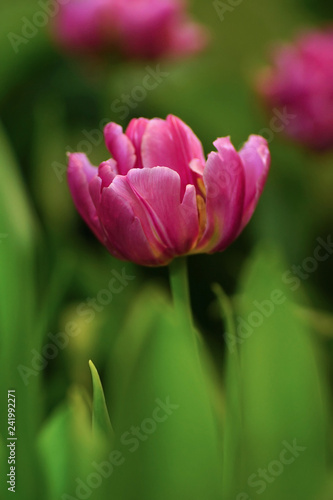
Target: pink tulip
[(137, 28), (301, 84), (158, 197)]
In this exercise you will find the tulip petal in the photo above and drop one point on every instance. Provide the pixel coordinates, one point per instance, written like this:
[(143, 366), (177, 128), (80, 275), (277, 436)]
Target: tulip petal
[(225, 187), (80, 172), (174, 219), (188, 38), (134, 132), (120, 147), (127, 227), (95, 191), (172, 144), (107, 171), (255, 157), (190, 144)]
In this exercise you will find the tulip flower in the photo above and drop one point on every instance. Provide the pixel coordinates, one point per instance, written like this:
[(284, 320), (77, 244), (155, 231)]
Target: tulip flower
[(300, 83), (136, 28), (158, 197)]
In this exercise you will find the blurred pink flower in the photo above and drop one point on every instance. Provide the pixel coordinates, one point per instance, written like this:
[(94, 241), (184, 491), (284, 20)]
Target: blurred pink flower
[(301, 84), (159, 198), (137, 28)]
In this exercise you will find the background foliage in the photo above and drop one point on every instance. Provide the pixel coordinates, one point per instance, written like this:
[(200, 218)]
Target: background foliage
[(252, 391)]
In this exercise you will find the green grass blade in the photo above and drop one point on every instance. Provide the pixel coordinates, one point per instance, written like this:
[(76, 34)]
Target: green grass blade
[(101, 419)]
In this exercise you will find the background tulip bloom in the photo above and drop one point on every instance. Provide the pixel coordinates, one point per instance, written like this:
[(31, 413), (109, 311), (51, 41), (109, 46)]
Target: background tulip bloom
[(301, 83), (158, 197), (138, 28)]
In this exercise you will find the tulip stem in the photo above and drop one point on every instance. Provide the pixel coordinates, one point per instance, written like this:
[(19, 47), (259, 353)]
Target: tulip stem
[(181, 292)]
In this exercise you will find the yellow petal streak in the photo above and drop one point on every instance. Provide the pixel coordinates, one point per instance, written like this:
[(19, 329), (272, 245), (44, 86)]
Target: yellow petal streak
[(202, 215)]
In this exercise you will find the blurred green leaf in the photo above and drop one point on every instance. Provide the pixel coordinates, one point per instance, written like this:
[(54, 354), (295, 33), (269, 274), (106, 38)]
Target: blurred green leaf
[(54, 444), (166, 427), (320, 321), (68, 449), (17, 320), (283, 445), (232, 382), (24, 45), (143, 313), (226, 308), (50, 166), (18, 231)]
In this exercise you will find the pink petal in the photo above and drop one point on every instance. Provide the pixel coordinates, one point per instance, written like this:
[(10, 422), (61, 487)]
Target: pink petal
[(127, 227), (77, 24), (107, 171), (225, 187), (188, 38), (197, 166), (134, 132), (171, 144), (120, 147), (95, 191), (80, 173), (145, 26), (256, 159), (175, 220)]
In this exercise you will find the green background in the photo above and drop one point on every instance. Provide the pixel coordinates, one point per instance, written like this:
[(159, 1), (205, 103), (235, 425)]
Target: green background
[(250, 395)]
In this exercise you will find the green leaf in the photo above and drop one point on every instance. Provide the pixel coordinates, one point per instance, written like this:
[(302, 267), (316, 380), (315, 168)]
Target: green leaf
[(233, 417), (167, 429), (17, 245), (282, 383), (130, 342), (101, 419), (67, 448), (227, 312), (55, 444), (17, 315), (18, 53)]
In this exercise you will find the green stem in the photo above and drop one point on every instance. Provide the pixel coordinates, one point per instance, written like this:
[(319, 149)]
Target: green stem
[(181, 293)]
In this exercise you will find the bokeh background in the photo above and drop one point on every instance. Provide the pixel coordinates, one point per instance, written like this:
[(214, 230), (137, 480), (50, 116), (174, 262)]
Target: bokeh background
[(260, 389)]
